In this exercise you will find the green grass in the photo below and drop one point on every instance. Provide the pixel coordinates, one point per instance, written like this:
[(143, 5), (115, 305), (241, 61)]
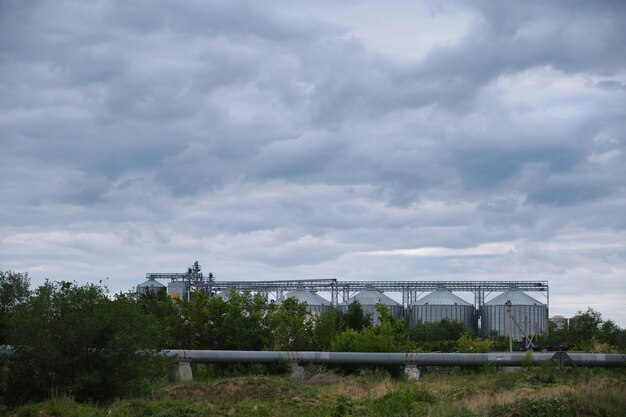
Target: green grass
[(534, 391)]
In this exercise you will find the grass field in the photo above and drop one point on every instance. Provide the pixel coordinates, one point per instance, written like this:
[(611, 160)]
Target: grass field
[(527, 392)]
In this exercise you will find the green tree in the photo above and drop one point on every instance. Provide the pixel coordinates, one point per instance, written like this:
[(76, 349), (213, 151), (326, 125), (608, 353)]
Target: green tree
[(207, 322), (199, 323), (325, 327), (499, 342), (14, 290), (439, 336), (609, 332), (355, 317), (76, 340), (584, 326), (389, 336), (291, 329), (162, 309), (246, 322), (554, 337), (348, 341)]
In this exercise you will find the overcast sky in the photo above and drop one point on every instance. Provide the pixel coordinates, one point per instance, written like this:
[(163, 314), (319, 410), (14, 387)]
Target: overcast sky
[(363, 140)]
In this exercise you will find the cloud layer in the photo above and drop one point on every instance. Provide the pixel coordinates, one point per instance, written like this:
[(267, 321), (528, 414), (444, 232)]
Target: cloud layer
[(475, 140)]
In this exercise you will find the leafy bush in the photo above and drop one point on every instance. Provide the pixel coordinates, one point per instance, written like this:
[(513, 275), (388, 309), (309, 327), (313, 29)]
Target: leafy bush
[(240, 323), (438, 336), (407, 401), (545, 374), (528, 359), (343, 406), (389, 336), (470, 344), (77, 341), (565, 405), (211, 371)]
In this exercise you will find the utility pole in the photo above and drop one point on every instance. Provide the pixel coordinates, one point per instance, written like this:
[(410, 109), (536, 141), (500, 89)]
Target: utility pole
[(528, 340)]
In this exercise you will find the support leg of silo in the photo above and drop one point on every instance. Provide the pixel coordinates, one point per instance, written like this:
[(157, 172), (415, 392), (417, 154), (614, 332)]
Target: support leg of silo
[(412, 372)]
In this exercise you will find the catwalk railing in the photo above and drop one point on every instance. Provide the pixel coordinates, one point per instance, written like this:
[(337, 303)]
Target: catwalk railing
[(410, 290)]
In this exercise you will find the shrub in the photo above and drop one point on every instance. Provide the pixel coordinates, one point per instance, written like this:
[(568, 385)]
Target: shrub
[(403, 402), (343, 406), (467, 343), (528, 359), (565, 405), (77, 341)]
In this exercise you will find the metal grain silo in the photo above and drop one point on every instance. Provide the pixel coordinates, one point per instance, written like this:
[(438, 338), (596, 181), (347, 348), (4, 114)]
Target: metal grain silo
[(315, 304), (151, 286), (178, 290), (442, 304), (530, 314), (368, 300)]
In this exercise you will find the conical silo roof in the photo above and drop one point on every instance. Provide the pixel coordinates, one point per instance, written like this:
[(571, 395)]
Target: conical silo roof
[(516, 297), (371, 297), (151, 283), (305, 296), (442, 298)]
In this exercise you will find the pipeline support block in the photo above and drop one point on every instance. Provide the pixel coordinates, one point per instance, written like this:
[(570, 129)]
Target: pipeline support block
[(182, 372), (412, 373), (297, 371)]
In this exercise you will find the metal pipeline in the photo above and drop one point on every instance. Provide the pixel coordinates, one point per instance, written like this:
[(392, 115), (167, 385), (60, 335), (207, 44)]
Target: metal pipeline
[(381, 359)]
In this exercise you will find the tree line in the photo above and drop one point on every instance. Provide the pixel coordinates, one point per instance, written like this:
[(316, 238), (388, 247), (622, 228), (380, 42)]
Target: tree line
[(81, 340)]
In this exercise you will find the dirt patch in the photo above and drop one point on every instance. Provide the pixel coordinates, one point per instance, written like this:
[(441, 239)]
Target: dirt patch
[(187, 392), (359, 390), (323, 378), (261, 388), (232, 390), (301, 402)]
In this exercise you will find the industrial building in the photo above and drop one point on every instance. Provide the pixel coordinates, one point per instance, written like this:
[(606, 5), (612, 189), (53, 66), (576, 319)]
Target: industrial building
[(559, 322), (315, 304), (442, 304), (368, 299), (510, 311), (151, 285), (514, 312)]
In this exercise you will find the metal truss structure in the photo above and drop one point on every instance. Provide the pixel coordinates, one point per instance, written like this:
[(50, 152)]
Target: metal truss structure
[(410, 290)]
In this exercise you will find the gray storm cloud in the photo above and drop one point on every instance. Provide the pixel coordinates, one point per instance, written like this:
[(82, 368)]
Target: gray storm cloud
[(475, 140)]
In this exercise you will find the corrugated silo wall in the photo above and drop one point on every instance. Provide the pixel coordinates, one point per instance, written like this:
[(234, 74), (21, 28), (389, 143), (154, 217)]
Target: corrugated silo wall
[(396, 311), (433, 313), (316, 309), (150, 289), (533, 319)]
